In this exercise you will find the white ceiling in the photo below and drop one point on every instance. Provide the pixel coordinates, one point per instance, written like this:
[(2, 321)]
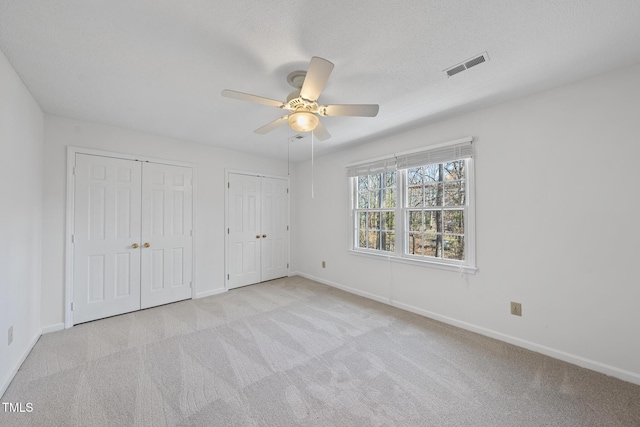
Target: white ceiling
[(159, 66)]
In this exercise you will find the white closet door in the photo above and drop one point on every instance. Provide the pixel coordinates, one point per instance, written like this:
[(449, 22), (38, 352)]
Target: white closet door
[(106, 272), (244, 230), (166, 248), (274, 226)]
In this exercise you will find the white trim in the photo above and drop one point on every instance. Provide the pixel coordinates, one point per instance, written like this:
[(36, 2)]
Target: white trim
[(216, 291), (623, 374), (53, 328), (392, 257), (4, 386), (71, 157)]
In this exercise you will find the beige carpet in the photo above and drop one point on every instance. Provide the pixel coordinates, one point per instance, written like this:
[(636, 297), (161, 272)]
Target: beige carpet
[(295, 352)]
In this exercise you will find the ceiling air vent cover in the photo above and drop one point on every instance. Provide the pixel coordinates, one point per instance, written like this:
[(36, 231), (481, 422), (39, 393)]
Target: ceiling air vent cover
[(458, 68)]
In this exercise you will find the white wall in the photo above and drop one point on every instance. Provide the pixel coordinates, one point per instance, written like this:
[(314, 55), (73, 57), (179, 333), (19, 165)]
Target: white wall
[(557, 190), (21, 147), (210, 163)]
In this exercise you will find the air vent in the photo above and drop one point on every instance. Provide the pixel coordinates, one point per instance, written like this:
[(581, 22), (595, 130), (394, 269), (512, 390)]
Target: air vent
[(458, 68)]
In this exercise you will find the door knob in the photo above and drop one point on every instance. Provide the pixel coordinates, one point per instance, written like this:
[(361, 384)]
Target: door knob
[(134, 246), (147, 244), (257, 236), (264, 235)]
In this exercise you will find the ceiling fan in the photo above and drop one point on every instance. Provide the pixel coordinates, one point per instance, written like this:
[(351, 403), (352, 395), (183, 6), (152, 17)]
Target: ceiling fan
[(302, 103)]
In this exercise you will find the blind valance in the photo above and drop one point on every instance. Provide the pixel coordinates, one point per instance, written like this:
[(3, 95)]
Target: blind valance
[(454, 150)]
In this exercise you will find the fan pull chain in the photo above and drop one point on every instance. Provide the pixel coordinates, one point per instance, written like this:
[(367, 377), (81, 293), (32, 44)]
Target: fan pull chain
[(312, 195)]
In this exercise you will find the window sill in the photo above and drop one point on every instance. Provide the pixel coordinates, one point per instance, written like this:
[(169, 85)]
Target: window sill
[(413, 261)]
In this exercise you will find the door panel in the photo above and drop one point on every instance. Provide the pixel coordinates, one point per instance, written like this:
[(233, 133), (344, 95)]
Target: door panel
[(106, 273), (167, 194), (275, 219), (244, 233)]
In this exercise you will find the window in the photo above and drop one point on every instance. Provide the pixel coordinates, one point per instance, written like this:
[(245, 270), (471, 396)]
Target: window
[(375, 211), (416, 206)]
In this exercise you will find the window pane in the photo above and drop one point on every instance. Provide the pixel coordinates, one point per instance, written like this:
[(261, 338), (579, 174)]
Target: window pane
[(454, 170), (389, 179), (374, 199), (433, 245), (388, 242), (363, 183), (415, 244), (388, 221), (454, 193), (454, 247), (415, 198), (414, 176), (432, 173), (374, 181), (389, 199), (374, 240), (433, 194), (362, 221), (432, 221), (363, 239), (453, 222), (373, 220), (415, 221), (363, 199)]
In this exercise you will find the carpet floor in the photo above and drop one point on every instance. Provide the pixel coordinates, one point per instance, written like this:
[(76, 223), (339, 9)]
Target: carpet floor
[(295, 352)]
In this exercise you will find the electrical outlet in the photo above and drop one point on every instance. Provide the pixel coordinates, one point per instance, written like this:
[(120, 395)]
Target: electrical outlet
[(516, 308), (10, 335), (324, 264)]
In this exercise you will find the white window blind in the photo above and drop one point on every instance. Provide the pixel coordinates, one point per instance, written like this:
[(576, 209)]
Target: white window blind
[(371, 167), (440, 154), (454, 150)]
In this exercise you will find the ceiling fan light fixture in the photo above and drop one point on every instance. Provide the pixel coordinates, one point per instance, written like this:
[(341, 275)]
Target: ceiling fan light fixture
[(303, 121)]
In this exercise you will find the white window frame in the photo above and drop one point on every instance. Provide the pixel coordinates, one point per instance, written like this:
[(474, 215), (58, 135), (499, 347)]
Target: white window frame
[(397, 162)]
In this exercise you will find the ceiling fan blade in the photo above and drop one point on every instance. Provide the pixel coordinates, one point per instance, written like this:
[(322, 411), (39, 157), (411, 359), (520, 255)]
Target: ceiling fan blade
[(271, 126), (321, 132), (317, 75), (361, 110), (251, 98)]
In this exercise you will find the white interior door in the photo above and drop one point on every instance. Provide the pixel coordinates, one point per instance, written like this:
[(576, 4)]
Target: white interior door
[(275, 229), (167, 261), (244, 232), (106, 266), (132, 237), (258, 230)]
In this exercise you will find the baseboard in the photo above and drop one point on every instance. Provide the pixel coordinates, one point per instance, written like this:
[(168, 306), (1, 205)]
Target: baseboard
[(53, 328), (211, 293), (5, 385), (593, 365)]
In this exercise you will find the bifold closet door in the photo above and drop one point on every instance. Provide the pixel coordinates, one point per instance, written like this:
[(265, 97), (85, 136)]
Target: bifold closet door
[(258, 242), (106, 237), (166, 242), (132, 236)]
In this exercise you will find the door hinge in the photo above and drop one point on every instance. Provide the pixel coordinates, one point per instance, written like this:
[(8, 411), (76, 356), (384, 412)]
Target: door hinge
[(71, 306), (73, 171), (73, 238), (287, 191), (191, 285), (227, 277), (287, 265), (228, 185), (287, 228), (191, 233), (228, 231)]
